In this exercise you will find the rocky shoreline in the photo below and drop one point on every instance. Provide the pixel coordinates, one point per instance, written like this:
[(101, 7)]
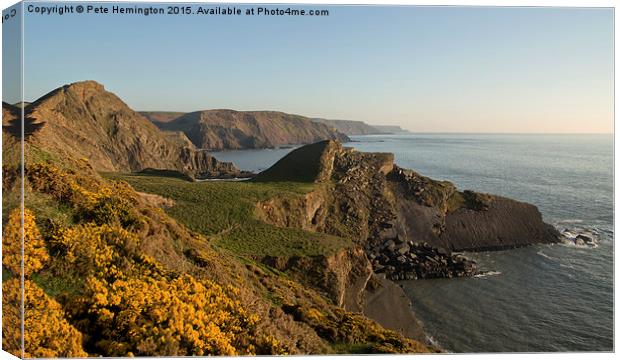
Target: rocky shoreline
[(406, 260)]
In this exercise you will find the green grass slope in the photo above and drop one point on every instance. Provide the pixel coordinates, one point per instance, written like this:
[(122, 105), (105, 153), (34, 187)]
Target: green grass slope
[(224, 212)]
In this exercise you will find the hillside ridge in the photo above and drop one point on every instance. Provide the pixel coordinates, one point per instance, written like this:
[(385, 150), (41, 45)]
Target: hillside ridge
[(221, 129), (82, 119)]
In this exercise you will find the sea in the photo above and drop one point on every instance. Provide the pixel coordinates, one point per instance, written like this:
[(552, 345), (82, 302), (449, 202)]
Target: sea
[(542, 298)]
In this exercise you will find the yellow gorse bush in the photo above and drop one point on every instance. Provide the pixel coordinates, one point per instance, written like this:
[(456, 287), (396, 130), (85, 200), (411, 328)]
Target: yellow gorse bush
[(271, 345), (127, 302), (46, 331), (99, 202), (35, 254), (136, 307), (106, 251), (156, 317)]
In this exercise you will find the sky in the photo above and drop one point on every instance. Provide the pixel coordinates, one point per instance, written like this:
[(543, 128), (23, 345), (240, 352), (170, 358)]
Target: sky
[(427, 69)]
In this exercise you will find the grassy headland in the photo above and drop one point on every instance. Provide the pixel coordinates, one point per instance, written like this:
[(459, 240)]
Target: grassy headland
[(223, 211)]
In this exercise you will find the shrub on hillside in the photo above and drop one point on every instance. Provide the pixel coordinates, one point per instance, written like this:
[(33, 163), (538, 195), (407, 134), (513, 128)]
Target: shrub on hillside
[(35, 253), (146, 317), (46, 331)]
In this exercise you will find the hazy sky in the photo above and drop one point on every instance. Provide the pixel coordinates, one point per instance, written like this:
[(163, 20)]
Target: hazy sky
[(435, 69)]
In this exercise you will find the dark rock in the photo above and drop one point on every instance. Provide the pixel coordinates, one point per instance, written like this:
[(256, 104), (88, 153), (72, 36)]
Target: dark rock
[(386, 225), (586, 239)]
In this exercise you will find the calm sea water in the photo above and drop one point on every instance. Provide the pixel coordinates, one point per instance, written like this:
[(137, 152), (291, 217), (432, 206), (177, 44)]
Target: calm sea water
[(541, 298)]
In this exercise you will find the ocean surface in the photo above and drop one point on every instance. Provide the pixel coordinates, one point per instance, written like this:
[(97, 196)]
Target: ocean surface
[(536, 299)]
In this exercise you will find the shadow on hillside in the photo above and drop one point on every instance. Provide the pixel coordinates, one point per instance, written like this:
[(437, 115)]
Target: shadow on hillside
[(13, 127)]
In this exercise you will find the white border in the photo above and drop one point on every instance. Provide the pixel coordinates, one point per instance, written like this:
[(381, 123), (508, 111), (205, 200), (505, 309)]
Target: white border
[(517, 3)]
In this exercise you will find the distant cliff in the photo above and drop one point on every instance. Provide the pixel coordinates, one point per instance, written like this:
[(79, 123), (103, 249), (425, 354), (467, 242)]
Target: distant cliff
[(229, 129), (83, 120), (350, 127)]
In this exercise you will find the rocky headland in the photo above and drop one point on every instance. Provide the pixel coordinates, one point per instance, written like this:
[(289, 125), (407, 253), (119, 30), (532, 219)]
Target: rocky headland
[(350, 127), (347, 127), (409, 226), (230, 129)]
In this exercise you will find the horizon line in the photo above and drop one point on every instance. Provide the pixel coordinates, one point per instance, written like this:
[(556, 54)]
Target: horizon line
[(407, 131), (411, 132)]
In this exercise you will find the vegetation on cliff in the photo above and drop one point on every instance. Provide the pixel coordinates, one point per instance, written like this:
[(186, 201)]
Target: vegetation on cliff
[(224, 213), (46, 331)]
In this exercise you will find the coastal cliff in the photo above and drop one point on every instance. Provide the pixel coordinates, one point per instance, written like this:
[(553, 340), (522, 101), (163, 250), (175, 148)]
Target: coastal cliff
[(83, 120), (347, 127), (297, 260), (161, 117), (230, 129), (348, 280), (342, 276), (156, 272), (408, 224), (350, 127)]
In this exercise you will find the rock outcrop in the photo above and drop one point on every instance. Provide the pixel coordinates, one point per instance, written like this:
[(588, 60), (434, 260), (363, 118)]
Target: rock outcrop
[(408, 224), (348, 280), (83, 120), (229, 129), (342, 276)]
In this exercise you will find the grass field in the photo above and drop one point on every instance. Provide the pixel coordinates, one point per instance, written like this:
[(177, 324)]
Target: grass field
[(224, 212)]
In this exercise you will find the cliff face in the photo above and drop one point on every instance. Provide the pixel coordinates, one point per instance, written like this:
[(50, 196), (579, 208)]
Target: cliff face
[(83, 120), (342, 276), (408, 224), (437, 213), (229, 129), (348, 280), (350, 127)]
